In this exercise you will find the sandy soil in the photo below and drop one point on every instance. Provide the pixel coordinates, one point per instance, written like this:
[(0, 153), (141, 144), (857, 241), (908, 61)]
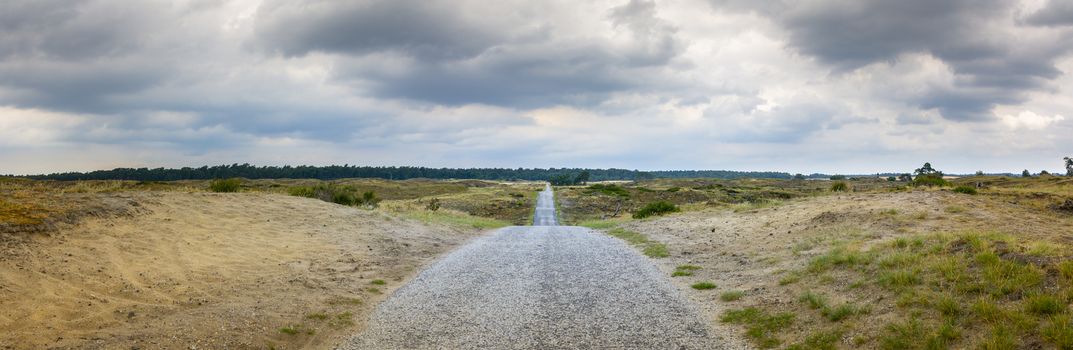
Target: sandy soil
[(208, 271), (751, 250)]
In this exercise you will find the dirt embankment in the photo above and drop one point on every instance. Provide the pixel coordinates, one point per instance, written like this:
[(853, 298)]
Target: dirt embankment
[(202, 270)]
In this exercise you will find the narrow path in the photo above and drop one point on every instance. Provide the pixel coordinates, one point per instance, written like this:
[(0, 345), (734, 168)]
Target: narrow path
[(537, 287), (545, 208)]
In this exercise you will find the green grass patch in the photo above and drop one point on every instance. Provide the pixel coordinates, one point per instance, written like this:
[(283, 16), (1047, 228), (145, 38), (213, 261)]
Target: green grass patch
[(761, 327), (648, 248), (598, 224), (823, 340), (656, 250), (225, 185), (841, 312), (630, 237), (1045, 304), (703, 286), (733, 295), (681, 273), (443, 217), (813, 301), (378, 282)]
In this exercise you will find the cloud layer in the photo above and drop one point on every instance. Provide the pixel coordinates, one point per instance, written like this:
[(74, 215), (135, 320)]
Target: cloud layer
[(813, 85)]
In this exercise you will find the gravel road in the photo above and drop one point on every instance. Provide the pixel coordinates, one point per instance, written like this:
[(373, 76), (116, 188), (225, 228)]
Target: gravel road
[(537, 287), (545, 208)]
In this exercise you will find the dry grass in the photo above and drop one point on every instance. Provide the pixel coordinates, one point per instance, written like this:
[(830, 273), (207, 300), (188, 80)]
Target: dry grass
[(876, 268)]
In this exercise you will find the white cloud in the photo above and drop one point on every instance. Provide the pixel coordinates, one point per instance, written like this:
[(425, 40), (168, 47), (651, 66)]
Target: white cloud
[(1030, 120)]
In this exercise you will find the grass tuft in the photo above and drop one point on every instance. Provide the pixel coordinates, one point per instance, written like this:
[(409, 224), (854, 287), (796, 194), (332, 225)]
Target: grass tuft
[(761, 326), (703, 285), (733, 295), (225, 185)]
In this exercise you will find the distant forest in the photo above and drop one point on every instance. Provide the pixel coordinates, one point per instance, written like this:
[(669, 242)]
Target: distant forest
[(393, 173)]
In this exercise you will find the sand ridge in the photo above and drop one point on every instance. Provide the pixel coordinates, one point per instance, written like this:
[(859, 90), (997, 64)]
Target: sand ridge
[(204, 270)]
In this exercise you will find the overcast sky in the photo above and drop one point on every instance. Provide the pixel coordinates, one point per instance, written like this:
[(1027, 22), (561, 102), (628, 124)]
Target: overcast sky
[(834, 86)]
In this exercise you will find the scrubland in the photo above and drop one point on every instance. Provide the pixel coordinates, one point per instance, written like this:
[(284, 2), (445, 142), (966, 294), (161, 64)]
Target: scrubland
[(796, 264), (124, 264)]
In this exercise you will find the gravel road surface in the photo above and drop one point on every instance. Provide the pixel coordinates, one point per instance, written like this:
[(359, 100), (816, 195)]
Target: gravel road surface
[(537, 287), (545, 208)]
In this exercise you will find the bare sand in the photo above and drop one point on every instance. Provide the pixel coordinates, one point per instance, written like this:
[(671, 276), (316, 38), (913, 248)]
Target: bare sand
[(209, 271)]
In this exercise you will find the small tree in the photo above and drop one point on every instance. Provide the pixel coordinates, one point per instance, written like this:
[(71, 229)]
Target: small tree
[(927, 170), (799, 176), (928, 176), (979, 173), (1044, 173), (582, 178), (1069, 166), (905, 177), (1026, 173)]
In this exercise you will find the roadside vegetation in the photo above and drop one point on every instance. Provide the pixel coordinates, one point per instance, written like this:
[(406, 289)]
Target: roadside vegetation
[(650, 248), (953, 262)]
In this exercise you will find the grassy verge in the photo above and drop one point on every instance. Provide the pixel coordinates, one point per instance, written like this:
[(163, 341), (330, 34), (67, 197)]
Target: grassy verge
[(650, 248), (443, 217), (964, 290)]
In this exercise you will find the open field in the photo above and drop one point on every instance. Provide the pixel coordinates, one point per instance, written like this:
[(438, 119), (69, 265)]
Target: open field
[(884, 267), (115, 264)]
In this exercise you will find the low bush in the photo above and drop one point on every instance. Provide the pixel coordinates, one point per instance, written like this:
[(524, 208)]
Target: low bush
[(965, 189), (839, 187), (225, 185), (343, 195), (657, 208), (930, 181), (610, 190)]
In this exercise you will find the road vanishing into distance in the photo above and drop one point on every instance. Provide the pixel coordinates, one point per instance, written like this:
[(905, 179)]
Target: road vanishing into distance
[(537, 287)]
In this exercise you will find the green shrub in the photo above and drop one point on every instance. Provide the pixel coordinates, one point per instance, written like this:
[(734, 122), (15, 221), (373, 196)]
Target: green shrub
[(839, 187), (965, 189), (657, 208), (225, 185), (343, 195), (930, 181), (610, 190)]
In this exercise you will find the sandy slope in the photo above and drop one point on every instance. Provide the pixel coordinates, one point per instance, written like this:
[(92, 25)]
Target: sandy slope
[(210, 271)]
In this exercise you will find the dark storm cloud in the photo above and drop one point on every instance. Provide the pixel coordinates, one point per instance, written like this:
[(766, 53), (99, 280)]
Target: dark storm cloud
[(427, 29), (72, 30), (75, 56), (1055, 13), (994, 59), (454, 55)]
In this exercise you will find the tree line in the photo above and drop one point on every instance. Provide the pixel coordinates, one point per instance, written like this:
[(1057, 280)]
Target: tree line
[(332, 172)]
